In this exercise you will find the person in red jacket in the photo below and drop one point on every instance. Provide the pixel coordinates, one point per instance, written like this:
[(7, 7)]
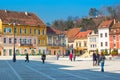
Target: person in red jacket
[(71, 56)]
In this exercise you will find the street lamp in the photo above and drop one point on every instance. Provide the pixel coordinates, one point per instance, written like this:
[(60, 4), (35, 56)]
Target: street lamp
[(14, 55)]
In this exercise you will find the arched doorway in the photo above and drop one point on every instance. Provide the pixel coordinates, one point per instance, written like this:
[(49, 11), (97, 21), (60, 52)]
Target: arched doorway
[(0, 53), (54, 52)]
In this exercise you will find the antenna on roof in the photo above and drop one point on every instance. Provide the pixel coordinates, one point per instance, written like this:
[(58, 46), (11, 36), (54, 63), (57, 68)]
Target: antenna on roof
[(26, 13)]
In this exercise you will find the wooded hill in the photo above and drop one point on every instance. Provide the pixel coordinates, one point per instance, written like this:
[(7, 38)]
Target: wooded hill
[(92, 21)]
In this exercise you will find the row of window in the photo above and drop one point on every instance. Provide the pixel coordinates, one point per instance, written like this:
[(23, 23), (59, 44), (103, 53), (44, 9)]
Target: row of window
[(9, 30), (23, 41), (79, 44), (106, 44), (92, 39), (20, 40), (9, 51), (101, 35), (93, 46), (5, 52), (56, 40)]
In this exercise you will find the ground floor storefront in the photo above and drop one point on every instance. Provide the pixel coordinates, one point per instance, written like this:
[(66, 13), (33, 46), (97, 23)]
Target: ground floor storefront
[(53, 50), (9, 50)]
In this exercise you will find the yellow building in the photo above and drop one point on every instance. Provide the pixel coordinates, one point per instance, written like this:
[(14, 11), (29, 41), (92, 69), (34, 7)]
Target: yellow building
[(81, 41), (24, 29)]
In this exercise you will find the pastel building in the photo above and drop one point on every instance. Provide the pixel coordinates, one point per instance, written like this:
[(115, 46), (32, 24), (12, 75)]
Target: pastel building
[(92, 41), (71, 33), (56, 41), (115, 37), (81, 41), (103, 35), (28, 30)]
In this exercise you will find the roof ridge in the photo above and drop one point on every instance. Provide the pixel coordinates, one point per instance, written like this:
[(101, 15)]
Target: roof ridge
[(23, 18)]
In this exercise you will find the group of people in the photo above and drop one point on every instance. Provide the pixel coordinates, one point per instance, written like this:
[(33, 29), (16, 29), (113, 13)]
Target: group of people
[(96, 59), (43, 58), (72, 56), (99, 59)]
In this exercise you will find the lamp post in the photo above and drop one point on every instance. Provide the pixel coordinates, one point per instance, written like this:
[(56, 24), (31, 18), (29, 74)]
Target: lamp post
[(14, 55)]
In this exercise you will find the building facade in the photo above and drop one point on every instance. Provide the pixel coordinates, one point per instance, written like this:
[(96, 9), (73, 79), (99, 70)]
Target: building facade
[(23, 29), (115, 37), (71, 33), (56, 41), (92, 41), (103, 34), (81, 42)]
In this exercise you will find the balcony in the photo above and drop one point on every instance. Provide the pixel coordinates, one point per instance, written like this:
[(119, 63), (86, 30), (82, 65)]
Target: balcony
[(26, 44), (56, 45)]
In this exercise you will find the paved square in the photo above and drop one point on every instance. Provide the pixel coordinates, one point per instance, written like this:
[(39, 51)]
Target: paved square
[(53, 69)]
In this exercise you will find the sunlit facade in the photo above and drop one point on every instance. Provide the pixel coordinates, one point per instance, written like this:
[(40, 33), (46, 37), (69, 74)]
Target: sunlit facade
[(29, 30)]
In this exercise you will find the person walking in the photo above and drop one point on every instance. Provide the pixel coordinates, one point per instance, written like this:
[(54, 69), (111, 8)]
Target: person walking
[(27, 58), (57, 56), (43, 57), (94, 59), (102, 61), (74, 56), (71, 56), (98, 58)]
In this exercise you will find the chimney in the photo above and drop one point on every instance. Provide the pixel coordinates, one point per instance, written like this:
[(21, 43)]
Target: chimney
[(26, 13), (114, 21), (0, 19), (5, 11)]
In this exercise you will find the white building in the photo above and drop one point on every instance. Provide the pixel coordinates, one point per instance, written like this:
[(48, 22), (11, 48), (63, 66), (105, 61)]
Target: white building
[(92, 41), (103, 34)]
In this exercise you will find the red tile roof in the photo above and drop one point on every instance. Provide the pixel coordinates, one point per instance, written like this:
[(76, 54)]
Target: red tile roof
[(53, 31), (57, 31), (106, 24), (115, 29), (71, 33), (117, 25), (50, 30), (22, 18), (82, 34)]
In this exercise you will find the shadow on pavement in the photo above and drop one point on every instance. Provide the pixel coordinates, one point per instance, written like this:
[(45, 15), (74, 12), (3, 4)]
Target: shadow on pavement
[(36, 70)]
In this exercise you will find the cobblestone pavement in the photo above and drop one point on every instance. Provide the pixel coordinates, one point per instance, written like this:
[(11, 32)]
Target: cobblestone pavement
[(53, 69)]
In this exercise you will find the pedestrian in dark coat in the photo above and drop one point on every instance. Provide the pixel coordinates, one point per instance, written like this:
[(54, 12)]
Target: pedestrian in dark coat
[(94, 59), (98, 58), (27, 58), (43, 57), (74, 56)]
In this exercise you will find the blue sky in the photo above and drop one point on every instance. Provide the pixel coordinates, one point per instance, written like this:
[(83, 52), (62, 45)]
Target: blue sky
[(50, 10)]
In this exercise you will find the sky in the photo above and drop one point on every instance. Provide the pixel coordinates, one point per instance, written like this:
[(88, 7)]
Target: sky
[(50, 10)]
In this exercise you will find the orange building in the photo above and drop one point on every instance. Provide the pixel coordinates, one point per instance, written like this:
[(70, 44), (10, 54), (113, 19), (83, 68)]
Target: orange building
[(115, 36)]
